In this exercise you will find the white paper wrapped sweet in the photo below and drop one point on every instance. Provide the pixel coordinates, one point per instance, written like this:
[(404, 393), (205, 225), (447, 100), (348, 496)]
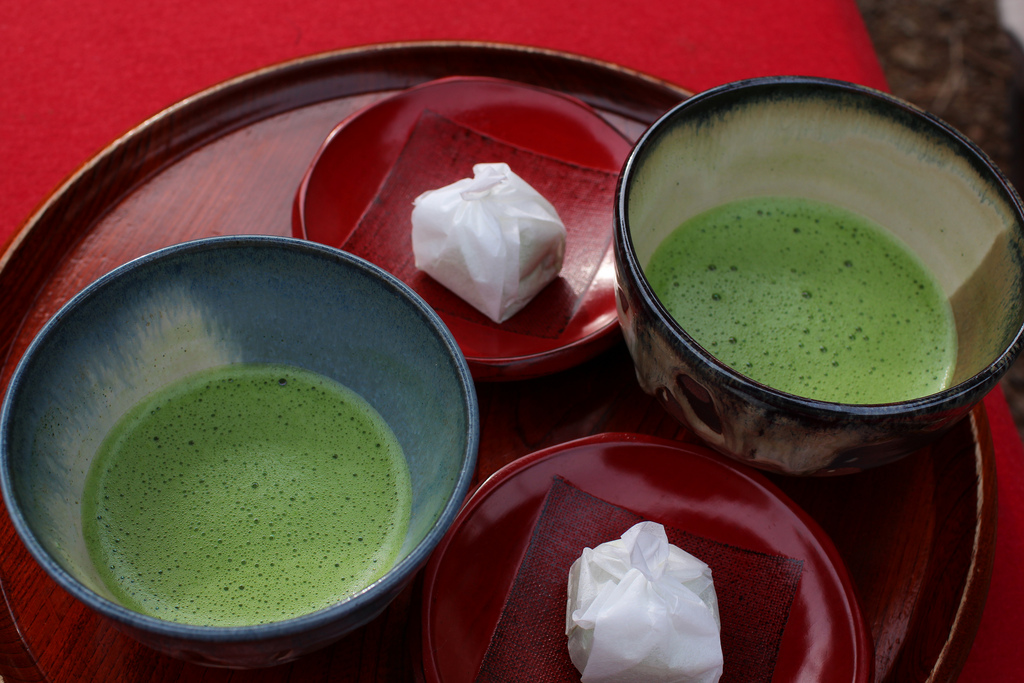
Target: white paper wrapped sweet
[(492, 239), (640, 609)]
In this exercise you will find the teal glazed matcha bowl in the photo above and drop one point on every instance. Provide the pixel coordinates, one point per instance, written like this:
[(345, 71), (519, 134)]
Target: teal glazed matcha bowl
[(212, 303), (841, 145)]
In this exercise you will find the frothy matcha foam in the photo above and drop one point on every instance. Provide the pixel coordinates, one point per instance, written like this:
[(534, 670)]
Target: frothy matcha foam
[(246, 494), (808, 298)]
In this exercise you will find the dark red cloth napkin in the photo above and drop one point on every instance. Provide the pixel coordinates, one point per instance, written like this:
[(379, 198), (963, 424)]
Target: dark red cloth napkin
[(440, 152), (755, 591)]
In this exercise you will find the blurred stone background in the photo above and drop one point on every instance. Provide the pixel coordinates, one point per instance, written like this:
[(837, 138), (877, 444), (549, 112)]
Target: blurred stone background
[(957, 60)]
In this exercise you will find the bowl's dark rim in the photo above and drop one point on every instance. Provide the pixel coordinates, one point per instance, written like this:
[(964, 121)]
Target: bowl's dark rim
[(953, 399), (392, 582)]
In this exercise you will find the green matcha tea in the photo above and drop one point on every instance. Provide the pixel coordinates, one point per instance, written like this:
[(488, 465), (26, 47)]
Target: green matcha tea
[(810, 299), (246, 494)]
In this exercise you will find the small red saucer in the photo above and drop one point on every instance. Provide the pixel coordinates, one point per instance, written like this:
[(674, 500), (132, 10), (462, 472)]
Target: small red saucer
[(356, 158), (467, 580)]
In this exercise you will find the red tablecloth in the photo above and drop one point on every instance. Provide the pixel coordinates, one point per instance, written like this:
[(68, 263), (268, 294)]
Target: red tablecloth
[(76, 75)]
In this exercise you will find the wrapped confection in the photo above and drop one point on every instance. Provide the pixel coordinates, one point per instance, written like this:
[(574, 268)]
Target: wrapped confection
[(641, 609), (492, 239)]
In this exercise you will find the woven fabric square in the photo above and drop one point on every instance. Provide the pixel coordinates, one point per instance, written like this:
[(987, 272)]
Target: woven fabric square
[(440, 152), (755, 591)]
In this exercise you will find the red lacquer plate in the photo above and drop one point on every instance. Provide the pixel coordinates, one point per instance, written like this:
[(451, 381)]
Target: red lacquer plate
[(356, 158), (826, 639)]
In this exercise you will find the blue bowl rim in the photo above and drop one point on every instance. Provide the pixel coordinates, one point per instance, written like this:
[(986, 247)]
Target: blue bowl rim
[(391, 583), (959, 396)]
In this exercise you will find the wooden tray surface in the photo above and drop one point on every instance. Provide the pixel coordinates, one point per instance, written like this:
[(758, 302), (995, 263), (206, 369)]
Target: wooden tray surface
[(917, 536)]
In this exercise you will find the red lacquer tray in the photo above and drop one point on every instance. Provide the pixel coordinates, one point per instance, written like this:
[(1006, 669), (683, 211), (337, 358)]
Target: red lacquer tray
[(917, 536)]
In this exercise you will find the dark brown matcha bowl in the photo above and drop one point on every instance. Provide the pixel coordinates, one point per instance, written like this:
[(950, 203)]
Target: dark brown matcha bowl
[(849, 146)]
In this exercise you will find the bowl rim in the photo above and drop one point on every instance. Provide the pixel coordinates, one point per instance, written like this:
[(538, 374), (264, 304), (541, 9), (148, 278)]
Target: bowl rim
[(392, 581), (956, 397)]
